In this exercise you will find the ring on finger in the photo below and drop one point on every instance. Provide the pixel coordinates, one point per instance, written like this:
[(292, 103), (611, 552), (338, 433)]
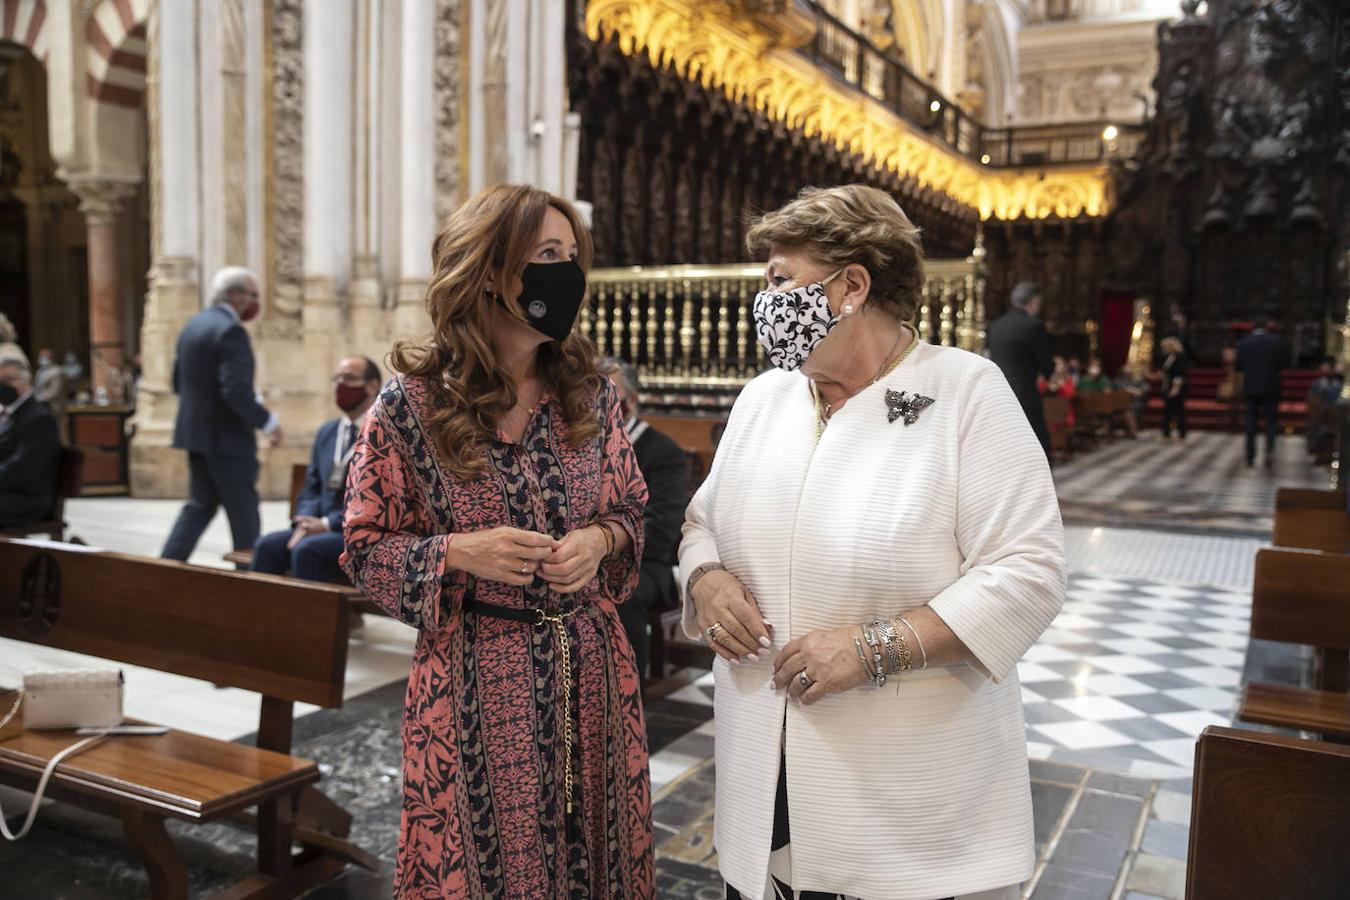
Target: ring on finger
[(805, 680), (525, 569), (713, 631)]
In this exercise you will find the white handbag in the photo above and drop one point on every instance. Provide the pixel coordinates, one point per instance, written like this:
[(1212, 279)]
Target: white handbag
[(77, 698)]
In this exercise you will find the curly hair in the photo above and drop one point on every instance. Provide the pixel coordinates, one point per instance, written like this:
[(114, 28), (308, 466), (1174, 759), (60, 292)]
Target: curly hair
[(852, 223), (492, 237)]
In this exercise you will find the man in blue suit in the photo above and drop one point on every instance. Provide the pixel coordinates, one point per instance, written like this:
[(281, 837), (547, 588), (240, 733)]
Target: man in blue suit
[(311, 547), (1260, 356), (218, 413)]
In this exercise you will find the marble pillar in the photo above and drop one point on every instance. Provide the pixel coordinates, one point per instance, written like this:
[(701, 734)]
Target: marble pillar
[(417, 225), (101, 201)]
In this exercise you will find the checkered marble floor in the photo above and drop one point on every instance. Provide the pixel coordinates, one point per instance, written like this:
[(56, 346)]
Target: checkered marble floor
[(1130, 673), (1202, 484)]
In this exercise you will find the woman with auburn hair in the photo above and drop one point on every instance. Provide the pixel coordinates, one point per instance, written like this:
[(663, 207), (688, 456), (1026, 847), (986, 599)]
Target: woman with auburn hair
[(875, 547), (494, 504)]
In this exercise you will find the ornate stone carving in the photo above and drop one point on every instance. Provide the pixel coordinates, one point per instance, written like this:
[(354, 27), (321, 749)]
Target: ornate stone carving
[(286, 182), (447, 98), (687, 37)]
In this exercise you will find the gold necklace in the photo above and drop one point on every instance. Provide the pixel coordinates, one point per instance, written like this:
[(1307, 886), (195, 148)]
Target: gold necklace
[(825, 410)]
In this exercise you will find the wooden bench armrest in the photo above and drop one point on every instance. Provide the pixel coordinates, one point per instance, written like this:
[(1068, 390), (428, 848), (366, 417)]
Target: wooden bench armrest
[(1304, 709)]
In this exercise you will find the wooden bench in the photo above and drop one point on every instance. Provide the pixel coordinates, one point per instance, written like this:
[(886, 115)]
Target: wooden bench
[(1311, 519), (1303, 597), (1056, 411), (283, 639), (68, 467), (1269, 817)]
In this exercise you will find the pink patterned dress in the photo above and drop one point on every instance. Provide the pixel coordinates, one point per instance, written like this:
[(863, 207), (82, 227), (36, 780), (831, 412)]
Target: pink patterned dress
[(485, 810)]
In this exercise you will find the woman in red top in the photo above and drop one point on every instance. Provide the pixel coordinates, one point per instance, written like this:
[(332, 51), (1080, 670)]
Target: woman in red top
[(495, 504)]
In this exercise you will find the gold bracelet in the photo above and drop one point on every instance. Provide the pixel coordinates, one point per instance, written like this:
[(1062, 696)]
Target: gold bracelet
[(609, 539)]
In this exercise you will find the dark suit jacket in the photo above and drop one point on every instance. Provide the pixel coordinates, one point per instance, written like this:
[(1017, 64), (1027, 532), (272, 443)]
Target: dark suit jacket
[(665, 467), (1020, 346), (30, 447), (218, 411), (1260, 356), (315, 499)]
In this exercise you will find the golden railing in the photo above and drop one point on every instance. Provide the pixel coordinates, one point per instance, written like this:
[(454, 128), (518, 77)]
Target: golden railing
[(689, 330)]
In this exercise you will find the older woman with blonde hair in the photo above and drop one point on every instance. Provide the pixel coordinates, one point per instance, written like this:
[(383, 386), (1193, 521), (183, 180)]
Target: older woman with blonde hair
[(877, 544), (494, 504)]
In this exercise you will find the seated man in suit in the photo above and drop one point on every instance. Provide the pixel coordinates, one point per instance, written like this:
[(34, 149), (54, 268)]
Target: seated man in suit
[(30, 448), (665, 467), (310, 550)]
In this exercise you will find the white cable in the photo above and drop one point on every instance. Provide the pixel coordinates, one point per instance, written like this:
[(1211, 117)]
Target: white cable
[(46, 775)]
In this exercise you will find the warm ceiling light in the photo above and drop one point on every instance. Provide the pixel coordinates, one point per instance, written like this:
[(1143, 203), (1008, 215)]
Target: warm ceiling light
[(1110, 133), (985, 159), (935, 106)]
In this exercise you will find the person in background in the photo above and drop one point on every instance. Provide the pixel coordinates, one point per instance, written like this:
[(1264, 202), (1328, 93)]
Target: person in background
[(1020, 346), (49, 381), (311, 547), (665, 468), (1075, 368), (1260, 356), (1133, 382), (9, 347), (30, 448), (1094, 380), (218, 412), (1323, 394), (1060, 384), (1175, 386)]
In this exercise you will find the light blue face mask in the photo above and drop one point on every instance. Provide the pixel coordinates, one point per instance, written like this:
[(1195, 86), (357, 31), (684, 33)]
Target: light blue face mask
[(790, 324)]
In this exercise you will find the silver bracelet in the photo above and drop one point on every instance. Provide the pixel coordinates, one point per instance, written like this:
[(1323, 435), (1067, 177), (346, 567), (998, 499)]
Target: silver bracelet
[(862, 658), (901, 659), (878, 661), (698, 573), (918, 640)]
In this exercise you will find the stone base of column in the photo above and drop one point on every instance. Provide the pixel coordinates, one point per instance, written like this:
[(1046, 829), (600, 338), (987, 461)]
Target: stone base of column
[(157, 470), (410, 315)]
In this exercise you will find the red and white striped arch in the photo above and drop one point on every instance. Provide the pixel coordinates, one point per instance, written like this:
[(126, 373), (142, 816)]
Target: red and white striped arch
[(22, 22), (115, 48)]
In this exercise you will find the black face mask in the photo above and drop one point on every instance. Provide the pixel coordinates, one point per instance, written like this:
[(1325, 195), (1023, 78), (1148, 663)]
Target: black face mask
[(8, 394), (552, 297)]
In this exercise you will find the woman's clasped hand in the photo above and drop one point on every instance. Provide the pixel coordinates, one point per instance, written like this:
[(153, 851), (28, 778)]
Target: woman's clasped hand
[(515, 556), (736, 631)]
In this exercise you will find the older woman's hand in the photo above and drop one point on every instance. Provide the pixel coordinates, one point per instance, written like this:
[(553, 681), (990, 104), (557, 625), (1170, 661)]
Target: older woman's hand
[(721, 600), (829, 659)]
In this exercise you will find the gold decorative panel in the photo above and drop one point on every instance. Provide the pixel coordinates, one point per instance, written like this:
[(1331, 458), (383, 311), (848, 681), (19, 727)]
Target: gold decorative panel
[(717, 46)]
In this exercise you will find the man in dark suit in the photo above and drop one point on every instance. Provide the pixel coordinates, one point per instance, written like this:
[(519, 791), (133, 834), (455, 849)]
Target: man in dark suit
[(30, 447), (1260, 356), (1020, 345), (218, 412), (310, 548), (665, 467)]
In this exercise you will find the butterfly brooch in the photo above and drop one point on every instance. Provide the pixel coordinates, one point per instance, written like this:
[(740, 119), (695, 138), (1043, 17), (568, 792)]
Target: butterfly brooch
[(899, 404)]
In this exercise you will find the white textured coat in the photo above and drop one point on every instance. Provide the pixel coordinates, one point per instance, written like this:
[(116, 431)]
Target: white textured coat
[(913, 791)]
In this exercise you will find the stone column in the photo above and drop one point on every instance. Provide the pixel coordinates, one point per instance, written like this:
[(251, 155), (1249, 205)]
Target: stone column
[(417, 168), (173, 294), (100, 201)]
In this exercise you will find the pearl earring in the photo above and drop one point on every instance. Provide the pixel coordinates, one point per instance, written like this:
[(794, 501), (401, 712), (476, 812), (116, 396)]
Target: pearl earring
[(848, 309)]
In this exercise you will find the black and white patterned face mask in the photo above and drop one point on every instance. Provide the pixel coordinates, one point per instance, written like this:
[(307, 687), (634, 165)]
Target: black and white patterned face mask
[(789, 325)]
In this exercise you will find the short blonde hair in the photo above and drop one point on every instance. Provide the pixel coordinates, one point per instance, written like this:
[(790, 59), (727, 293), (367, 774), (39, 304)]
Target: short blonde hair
[(853, 223)]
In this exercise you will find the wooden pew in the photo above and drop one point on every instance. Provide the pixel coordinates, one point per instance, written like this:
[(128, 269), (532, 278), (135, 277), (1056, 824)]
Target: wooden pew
[(68, 467), (1313, 520), (1269, 817), (283, 639), (1303, 597)]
